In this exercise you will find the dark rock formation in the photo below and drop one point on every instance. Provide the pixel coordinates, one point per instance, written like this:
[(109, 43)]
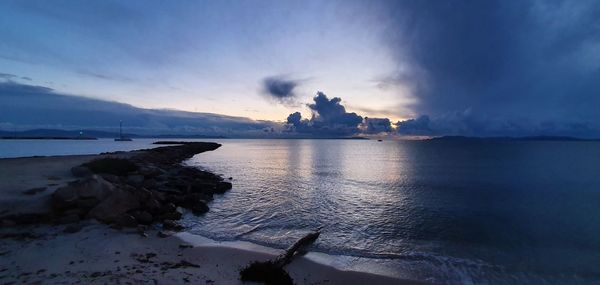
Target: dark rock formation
[(150, 187)]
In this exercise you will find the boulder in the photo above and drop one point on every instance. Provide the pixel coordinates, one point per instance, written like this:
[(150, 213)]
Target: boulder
[(87, 204), (143, 217), (68, 219), (64, 197), (72, 228), (222, 187), (152, 205), (34, 191), (135, 180), (126, 221), (199, 208), (172, 225), (116, 204), (81, 171), (111, 178), (93, 188)]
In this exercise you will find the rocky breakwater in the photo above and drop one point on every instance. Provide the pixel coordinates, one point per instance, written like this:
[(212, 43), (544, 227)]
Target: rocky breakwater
[(147, 188)]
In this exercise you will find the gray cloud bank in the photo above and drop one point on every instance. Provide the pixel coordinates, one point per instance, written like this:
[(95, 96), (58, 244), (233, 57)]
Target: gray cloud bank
[(27, 106), (497, 67)]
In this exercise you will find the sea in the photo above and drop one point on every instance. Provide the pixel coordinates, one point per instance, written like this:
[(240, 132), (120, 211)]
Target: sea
[(443, 212)]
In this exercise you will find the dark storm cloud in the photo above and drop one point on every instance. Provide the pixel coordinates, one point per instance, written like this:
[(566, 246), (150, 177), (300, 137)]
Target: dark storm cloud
[(10, 87), (280, 88), (29, 106), (377, 125), (467, 124), (518, 65), (329, 118)]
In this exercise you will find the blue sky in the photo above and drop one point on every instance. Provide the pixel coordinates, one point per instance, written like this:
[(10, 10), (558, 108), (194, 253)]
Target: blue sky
[(459, 67), (206, 56)]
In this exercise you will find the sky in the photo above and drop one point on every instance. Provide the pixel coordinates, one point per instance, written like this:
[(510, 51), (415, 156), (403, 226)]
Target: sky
[(326, 68)]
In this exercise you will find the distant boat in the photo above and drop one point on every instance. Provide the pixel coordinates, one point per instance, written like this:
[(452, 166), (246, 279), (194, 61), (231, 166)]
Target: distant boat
[(121, 138), (379, 140)]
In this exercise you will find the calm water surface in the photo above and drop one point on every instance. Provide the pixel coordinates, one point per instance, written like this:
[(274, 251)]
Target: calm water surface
[(447, 212), (25, 148)]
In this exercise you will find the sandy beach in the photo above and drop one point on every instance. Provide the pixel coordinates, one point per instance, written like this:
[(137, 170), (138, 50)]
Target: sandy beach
[(89, 252)]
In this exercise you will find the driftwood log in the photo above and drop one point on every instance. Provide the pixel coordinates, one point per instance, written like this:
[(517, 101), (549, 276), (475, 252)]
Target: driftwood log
[(271, 272)]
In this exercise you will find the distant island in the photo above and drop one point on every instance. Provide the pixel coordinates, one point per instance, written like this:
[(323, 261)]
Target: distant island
[(525, 138)]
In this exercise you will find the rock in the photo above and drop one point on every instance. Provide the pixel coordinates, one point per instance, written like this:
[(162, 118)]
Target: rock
[(143, 217), (199, 208), (168, 208), (118, 203), (81, 171), (135, 180), (165, 234), (93, 187), (111, 178), (153, 205), (87, 203), (64, 197), (69, 219), (34, 191), (175, 215), (73, 228), (172, 225), (222, 187), (149, 183), (8, 223), (150, 171), (126, 221)]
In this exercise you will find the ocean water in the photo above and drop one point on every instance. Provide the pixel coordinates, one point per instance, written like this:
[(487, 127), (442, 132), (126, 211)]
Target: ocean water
[(443, 212), (25, 148), (437, 211)]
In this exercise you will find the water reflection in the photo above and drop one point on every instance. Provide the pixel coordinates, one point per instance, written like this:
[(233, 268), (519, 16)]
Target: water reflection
[(434, 205)]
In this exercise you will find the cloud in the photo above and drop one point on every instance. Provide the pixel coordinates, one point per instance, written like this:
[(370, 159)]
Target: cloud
[(329, 118), (376, 125), (10, 87), (280, 89), (515, 65), (7, 76), (418, 126), (467, 124), (29, 106)]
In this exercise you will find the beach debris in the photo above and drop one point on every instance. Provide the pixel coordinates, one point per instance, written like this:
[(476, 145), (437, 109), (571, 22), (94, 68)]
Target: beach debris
[(181, 264), (271, 271)]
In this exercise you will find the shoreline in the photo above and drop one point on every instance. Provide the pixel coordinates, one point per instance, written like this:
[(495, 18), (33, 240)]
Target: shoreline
[(44, 252), (98, 255)]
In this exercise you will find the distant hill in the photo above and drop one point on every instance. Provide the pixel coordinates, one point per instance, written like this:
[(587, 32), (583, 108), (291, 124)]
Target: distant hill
[(62, 134), (527, 138)]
